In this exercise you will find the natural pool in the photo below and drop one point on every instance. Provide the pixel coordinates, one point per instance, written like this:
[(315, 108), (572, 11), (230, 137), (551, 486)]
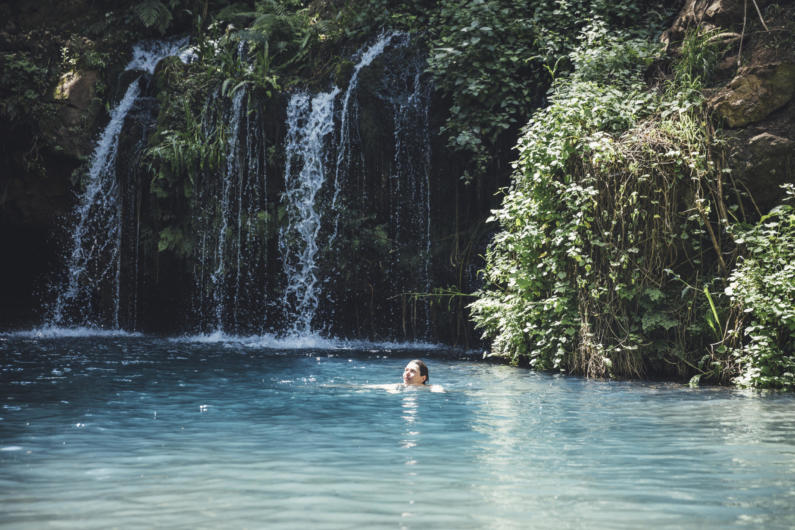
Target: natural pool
[(140, 432)]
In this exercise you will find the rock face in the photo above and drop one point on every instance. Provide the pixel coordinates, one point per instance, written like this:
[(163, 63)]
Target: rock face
[(72, 126), (754, 104), (705, 13), (755, 93)]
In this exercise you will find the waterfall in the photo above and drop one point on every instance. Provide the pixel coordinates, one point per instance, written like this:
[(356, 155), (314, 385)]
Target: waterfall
[(309, 122), (319, 189), (233, 169), (339, 252), (409, 181), (344, 146), (93, 264)]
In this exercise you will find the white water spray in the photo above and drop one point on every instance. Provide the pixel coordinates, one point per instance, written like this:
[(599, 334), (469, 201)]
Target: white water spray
[(310, 122)]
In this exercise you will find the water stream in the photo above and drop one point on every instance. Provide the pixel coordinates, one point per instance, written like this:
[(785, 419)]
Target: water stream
[(232, 175), (310, 121)]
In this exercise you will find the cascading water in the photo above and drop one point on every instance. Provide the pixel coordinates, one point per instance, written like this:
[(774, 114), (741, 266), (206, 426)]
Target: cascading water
[(349, 115), (307, 151), (338, 252), (323, 213), (94, 260), (409, 183), (310, 123)]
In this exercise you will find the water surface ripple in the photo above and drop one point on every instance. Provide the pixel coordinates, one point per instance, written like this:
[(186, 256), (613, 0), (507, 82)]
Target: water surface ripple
[(125, 431)]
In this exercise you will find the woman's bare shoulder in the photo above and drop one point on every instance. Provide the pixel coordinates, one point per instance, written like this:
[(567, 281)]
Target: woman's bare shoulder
[(392, 387)]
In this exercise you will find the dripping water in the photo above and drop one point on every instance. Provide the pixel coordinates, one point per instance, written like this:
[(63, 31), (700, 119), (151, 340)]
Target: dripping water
[(233, 170), (410, 211), (231, 217), (344, 145)]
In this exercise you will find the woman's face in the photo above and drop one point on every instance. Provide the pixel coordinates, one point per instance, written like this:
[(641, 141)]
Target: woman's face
[(411, 374)]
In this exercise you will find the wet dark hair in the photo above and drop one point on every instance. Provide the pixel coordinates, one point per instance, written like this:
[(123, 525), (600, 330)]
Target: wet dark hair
[(423, 370)]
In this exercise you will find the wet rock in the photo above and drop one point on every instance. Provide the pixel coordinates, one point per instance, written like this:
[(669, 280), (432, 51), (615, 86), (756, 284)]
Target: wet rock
[(76, 88), (755, 93)]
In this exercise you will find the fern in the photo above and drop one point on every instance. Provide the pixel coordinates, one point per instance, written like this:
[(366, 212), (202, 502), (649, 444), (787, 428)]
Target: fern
[(153, 13)]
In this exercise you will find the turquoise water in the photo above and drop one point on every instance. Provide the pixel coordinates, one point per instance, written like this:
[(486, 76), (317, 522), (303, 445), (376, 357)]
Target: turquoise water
[(137, 432)]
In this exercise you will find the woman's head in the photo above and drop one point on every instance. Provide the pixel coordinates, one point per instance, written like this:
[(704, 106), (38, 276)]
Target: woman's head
[(415, 373)]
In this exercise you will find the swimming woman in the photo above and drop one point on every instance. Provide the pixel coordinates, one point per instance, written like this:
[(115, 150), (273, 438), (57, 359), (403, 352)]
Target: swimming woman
[(415, 374)]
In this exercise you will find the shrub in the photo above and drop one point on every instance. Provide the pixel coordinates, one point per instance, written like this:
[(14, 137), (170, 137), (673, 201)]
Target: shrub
[(762, 291)]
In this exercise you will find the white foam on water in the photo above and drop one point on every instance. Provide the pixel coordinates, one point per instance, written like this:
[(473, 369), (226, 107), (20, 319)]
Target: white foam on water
[(57, 332), (269, 341), (147, 54), (303, 342)]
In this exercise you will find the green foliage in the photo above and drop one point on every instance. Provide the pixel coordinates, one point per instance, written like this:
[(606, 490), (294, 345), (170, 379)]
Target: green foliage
[(82, 54), (171, 238), (23, 84), (762, 290), (180, 154), (610, 208), (615, 58), (697, 59), (154, 14), (482, 60), (494, 60), (273, 46)]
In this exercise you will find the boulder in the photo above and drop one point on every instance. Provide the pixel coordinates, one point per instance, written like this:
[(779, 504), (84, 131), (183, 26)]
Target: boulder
[(764, 165), (755, 93), (705, 13), (70, 130), (76, 88)]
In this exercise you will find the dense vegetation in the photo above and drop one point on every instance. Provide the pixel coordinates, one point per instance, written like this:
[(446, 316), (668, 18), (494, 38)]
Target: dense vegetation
[(624, 247)]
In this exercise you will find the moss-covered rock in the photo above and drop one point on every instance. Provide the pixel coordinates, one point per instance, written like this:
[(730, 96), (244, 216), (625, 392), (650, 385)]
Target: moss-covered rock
[(755, 93)]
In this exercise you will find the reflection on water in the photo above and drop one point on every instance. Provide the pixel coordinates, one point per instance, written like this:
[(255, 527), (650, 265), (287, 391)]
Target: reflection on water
[(126, 431)]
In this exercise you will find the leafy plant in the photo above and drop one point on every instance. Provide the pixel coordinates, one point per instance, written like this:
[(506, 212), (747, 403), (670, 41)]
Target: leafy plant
[(23, 84), (762, 291), (155, 14)]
